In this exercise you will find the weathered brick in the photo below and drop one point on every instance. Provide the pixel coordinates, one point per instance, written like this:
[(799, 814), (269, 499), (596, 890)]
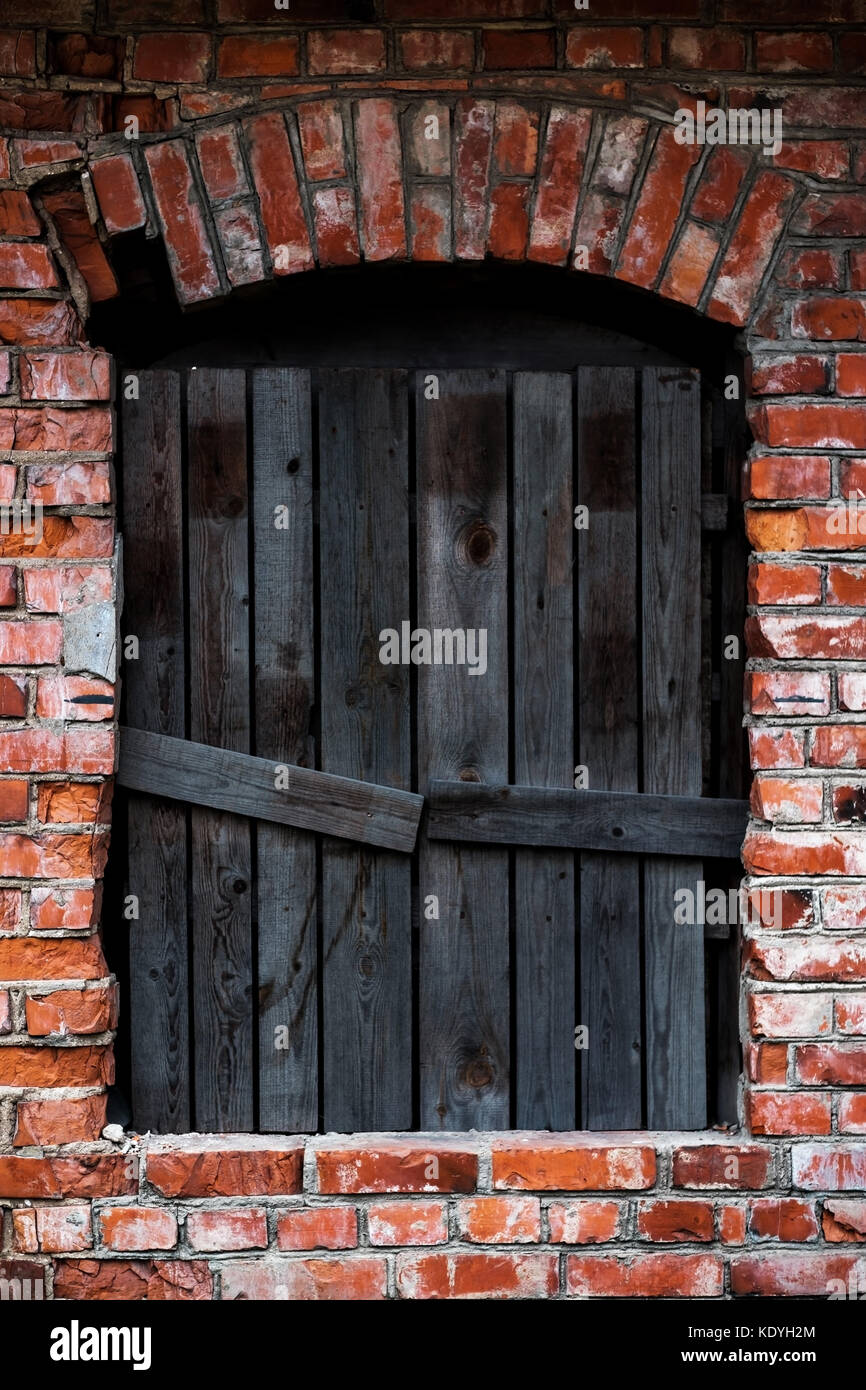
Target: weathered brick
[(118, 193), (473, 135), (644, 1276), (542, 1163), (258, 55), (785, 52), (138, 1228), (172, 57), (721, 1165), (60, 1122), (26, 266), (750, 248), (220, 161), (132, 1280), (812, 958), (54, 1066), (783, 1274), (519, 49), (690, 264), (233, 1229), (321, 128), (14, 799), (509, 221), (392, 1165), (238, 232), (65, 1011), (336, 227), (26, 958), (430, 220), (73, 803), (319, 1228), (38, 323), (562, 159), (239, 1169), (190, 254), (583, 1223), (17, 217), (844, 1221), (592, 47), (675, 1220), (437, 50), (407, 1223), (73, 909), (719, 184), (380, 179), (789, 800), (346, 51), (773, 1015), (55, 1230), (273, 170), (783, 584), (69, 212), (499, 1220), (88, 751), (486, 1275)]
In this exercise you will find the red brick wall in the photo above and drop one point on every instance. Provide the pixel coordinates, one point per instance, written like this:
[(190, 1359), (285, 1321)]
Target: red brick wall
[(270, 143)]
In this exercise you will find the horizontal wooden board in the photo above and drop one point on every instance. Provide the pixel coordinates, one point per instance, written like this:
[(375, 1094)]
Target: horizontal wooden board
[(227, 781), (628, 822)]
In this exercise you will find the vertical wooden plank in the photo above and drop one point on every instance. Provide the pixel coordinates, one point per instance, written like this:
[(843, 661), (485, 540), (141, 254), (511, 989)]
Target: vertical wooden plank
[(544, 908), (609, 667), (671, 505), (220, 715), (366, 894), (463, 733), (284, 700), (154, 693)]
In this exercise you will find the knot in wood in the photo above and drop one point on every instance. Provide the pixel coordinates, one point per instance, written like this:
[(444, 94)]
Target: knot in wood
[(478, 542)]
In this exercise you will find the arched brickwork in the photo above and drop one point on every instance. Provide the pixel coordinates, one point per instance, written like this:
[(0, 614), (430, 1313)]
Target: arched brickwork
[(262, 154)]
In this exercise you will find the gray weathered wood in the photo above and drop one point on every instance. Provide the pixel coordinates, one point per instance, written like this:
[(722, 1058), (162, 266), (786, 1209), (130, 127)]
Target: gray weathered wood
[(220, 716), (715, 507), (364, 588), (463, 733), (629, 823), (609, 663), (284, 690), (244, 785), (544, 935), (670, 530), (154, 690)]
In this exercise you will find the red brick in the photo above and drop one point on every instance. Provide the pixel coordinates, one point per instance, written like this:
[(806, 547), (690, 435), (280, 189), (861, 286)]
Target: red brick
[(88, 751), (153, 116), (825, 318), (65, 376), (675, 1220), (809, 269), (189, 251), (706, 49), (519, 49), (784, 1275), (240, 1170), (75, 1011), (26, 267), (172, 58), (336, 229), (844, 1221), (52, 1230), (437, 50), (604, 48), (828, 107), (789, 800), (407, 1223), (804, 853), (515, 144), (846, 584), (5, 1013), (68, 210), (8, 587), (559, 181), (320, 1228), (477, 1275), (849, 803), (831, 1064), (777, 477), (345, 51), (220, 162), (857, 260), (37, 323), (573, 1165), (73, 803), (380, 180), (473, 133), (91, 1176), (34, 110), (788, 692), (819, 1168), (392, 1165), (138, 1228), (5, 171), (69, 483), (118, 193), (777, 748), (719, 184), (836, 527), (732, 1225), (690, 264), (852, 1114), (430, 217), (17, 217), (133, 1280), (851, 1013), (842, 746), (831, 214), (805, 52), (14, 799), (499, 1220), (766, 1063), (86, 55), (273, 170), (258, 55), (583, 1223), (54, 428), (656, 212), (74, 909), (55, 1066), (60, 1121), (789, 376), (644, 1276), (852, 684), (238, 232), (10, 909), (25, 958), (234, 1229), (18, 53), (509, 221), (357, 1277), (751, 248), (773, 1015), (851, 374), (824, 159), (13, 697), (814, 958), (789, 1219), (721, 1165), (321, 128), (780, 584)]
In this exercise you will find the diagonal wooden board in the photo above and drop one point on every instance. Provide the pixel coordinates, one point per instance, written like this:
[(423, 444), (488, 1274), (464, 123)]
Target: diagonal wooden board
[(227, 781), (628, 822)]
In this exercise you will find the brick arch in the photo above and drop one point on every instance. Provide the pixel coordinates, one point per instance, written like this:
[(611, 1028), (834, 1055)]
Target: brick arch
[(246, 196)]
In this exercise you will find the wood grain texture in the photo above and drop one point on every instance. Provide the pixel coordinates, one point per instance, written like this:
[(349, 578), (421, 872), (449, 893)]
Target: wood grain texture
[(220, 716), (671, 520), (284, 697), (544, 926), (367, 909), (154, 694), (463, 734), (610, 985)]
